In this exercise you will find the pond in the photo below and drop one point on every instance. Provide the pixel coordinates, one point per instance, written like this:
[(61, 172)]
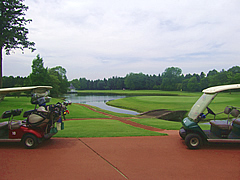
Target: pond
[(99, 101)]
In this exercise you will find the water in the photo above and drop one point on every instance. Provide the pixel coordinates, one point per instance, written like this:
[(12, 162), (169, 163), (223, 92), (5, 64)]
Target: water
[(99, 101)]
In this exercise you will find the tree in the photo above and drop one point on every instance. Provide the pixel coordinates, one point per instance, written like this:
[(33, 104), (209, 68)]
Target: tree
[(212, 72), (193, 84), (171, 79), (202, 75), (75, 83), (234, 69), (135, 81), (172, 72), (39, 75), (58, 80), (13, 33), (83, 83)]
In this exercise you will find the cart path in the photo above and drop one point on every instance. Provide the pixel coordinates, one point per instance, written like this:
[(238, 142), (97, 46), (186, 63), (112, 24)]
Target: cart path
[(121, 119), (119, 158)]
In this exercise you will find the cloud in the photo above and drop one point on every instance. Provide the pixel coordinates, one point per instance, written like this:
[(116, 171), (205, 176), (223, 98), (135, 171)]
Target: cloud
[(97, 39)]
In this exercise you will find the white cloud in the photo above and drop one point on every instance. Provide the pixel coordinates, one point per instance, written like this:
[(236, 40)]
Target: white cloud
[(97, 39)]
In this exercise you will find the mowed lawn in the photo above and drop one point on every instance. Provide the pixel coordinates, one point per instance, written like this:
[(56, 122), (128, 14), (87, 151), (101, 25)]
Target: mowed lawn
[(81, 128), (76, 111), (106, 127), (102, 128), (147, 103), (164, 124)]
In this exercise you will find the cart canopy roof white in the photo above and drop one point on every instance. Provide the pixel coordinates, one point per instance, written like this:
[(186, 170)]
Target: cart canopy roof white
[(217, 89), (21, 89), (207, 97)]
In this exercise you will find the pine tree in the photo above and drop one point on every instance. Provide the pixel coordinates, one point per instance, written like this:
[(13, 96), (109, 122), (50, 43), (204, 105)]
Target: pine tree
[(13, 33)]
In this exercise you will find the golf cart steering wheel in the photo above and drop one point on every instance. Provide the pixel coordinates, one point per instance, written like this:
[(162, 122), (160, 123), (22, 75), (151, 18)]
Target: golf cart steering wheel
[(203, 116), (210, 111)]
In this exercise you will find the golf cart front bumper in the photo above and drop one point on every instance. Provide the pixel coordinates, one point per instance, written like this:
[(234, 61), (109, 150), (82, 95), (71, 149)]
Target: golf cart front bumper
[(182, 132), (189, 126)]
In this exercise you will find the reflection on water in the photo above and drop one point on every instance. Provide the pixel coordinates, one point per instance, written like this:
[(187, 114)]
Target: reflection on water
[(99, 101)]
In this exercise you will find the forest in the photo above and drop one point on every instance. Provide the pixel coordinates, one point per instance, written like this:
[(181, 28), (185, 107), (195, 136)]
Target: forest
[(171, 79)]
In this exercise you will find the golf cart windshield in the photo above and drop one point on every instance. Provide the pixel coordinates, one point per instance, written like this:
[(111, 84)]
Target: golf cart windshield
[(201, 105)]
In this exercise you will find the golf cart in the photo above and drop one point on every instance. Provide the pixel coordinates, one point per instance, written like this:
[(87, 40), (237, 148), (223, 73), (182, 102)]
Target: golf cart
[(221, 131), (40, 122)]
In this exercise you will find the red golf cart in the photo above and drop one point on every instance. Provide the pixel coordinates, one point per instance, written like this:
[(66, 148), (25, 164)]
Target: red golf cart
[(40, 122)]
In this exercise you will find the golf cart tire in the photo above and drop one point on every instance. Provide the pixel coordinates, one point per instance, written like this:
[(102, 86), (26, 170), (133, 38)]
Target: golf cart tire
[(30, 141), (193, 141)]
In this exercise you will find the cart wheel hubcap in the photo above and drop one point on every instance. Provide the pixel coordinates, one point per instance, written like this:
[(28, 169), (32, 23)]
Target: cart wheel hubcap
[(194, 141), (29, 142)]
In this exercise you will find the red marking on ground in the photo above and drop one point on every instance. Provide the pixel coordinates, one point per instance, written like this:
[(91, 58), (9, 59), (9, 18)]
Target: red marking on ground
[(122, 119)]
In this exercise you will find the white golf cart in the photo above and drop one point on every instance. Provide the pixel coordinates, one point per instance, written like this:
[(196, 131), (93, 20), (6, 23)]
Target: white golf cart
[(227, 130)]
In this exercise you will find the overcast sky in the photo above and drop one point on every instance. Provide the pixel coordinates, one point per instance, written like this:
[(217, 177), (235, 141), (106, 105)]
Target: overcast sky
[(99, 39)]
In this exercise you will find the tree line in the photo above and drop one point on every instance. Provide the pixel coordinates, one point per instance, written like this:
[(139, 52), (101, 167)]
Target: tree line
[(41, 76), (171, 79)]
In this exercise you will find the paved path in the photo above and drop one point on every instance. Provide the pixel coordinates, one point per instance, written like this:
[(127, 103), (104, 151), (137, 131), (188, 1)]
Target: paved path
[(161, 157)]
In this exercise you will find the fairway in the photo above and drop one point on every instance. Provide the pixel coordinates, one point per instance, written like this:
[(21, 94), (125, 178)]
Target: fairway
[(102, 128), (147, 103), (96, 122), (164, 124)]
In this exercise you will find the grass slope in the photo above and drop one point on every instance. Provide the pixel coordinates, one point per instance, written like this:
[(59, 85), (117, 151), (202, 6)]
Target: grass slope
[(76, 111), (163, 124), (147, 103), (102, 128)]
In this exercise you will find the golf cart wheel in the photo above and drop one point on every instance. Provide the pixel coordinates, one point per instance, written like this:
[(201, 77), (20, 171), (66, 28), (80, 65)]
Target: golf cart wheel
[(193, 141), (30, 141)]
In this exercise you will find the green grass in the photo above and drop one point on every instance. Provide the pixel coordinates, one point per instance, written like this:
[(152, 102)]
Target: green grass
[(163, 124), (147, 103), (113, 128), (10, 103), (77, 111), (102, 128), (14, 103)]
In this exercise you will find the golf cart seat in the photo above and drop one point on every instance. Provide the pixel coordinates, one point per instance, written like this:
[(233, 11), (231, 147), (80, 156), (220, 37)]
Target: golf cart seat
[(222, 124), (235, 113), (237, 121), (227, 111), (14, 125), (4, 125), (222, 128), (235, 134), (27, 113)]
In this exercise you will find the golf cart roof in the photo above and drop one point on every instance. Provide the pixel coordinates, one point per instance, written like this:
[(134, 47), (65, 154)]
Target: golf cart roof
[(217, 89), (20, 89)]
